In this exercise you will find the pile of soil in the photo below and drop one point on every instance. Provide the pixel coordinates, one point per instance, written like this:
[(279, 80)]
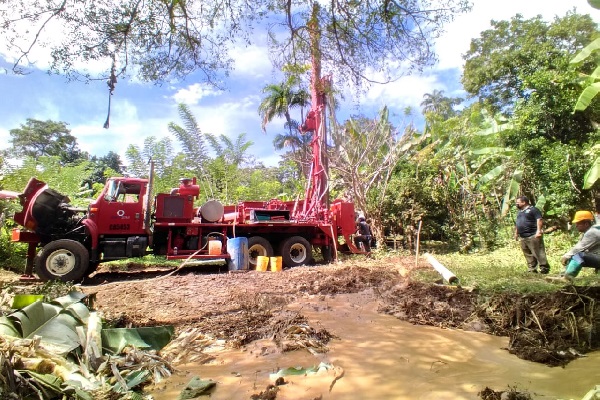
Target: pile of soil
[(552, 329)]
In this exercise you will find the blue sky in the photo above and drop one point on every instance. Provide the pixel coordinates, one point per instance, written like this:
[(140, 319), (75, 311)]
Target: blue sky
[(142, 110)]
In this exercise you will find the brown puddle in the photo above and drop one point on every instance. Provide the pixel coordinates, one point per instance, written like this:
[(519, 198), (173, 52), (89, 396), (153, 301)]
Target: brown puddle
[(380, 357)]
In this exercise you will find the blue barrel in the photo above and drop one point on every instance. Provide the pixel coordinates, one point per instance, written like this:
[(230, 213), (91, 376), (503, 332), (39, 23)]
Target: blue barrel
[(237, 248)]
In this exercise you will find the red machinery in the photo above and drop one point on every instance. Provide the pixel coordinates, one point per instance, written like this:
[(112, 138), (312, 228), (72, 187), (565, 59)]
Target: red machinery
[(66, 243)]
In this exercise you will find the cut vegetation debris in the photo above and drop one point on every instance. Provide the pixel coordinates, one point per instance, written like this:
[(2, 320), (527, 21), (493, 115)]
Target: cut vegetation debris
[(58, 349)]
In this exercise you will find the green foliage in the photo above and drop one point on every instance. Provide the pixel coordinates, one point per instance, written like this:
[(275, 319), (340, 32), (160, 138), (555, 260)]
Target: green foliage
[(192, 141), (461, 177), (280, 99), (46, 138), (592, 175), (161, 40), (439, 104), (503, 64), (522, 69), (259, 184), (584, 101), (66, 179), (12, 255)]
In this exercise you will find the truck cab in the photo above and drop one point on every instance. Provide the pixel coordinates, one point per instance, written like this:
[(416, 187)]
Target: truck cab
[(120, 208)]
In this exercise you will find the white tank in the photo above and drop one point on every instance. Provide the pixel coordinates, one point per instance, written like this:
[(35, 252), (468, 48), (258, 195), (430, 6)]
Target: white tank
[(211, 211)]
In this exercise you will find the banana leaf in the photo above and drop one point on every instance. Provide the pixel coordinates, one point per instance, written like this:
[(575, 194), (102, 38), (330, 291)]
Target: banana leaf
[(511, 191), (49, 381), (133, 379), (70, 298), (57, 326), (495, 128), (586, 97), (197, 387), (151, 337), (586, 51), (23, 300), (492, 150), (541, 202), (301, 371), (8, 328), (592, 175), (494, 173)]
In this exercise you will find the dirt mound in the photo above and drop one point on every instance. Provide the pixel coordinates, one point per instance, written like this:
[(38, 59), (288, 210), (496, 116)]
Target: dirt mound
[(242, 307), (552, 329)]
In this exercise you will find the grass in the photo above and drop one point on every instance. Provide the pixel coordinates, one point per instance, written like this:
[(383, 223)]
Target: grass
[(150, 259), (505, 270)]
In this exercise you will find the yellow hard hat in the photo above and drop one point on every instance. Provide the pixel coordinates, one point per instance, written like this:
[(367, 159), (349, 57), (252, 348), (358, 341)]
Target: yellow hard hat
[(583, 216)]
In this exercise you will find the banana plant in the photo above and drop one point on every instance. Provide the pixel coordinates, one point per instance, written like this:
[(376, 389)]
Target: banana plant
[(592, 88)]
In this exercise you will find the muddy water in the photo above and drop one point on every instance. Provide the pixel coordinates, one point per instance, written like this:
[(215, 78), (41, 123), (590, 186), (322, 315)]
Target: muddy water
[(379, 357)]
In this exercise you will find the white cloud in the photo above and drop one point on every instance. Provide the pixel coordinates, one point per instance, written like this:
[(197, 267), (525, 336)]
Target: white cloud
[(228, 118), (457, 39), (405, 92), (194, 93), (252, 61)]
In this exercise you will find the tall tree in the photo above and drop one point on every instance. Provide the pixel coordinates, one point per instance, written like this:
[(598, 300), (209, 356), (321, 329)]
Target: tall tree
[(280, 99), (234, 152), (192, 140), (437, 103), (38, 138), (363, 155), (101, 168), (159, 151), (521, 69), (164, 39), (299, 149)]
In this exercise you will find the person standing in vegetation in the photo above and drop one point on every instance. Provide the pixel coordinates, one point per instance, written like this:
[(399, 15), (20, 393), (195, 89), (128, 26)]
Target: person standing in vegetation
[(528, 231), (364, 234), (586, 253)]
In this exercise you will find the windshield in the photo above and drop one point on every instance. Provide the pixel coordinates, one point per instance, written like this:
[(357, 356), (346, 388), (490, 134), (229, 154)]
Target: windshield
[(113, 190)]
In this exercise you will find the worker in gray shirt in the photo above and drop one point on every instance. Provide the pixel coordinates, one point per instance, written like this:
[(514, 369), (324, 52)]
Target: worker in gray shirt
[(586, 253)]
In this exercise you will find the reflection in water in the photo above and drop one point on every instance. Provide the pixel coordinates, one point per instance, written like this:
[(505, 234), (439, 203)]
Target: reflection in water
[(384, 358)]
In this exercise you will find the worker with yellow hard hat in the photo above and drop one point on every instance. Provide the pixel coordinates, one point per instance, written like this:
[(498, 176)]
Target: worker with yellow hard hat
[(586, 253)]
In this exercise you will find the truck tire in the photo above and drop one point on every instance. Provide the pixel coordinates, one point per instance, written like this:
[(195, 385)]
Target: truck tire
[(258, 246), (64, 260), (296, 251)]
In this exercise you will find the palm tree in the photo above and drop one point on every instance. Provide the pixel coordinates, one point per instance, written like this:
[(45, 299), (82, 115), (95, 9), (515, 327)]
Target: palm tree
[(280, 100), (191, 138), (437, 103), (299, 145), (233, 152)]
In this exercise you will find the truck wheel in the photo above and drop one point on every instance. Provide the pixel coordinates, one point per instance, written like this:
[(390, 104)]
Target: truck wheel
[(65, 260), (296, 251), (258, 246)]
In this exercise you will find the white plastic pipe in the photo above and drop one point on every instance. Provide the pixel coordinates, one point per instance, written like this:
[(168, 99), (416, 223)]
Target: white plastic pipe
[(445, 272)]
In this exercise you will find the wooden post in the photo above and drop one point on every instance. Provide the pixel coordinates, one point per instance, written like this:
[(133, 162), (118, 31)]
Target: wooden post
[(417, 245)]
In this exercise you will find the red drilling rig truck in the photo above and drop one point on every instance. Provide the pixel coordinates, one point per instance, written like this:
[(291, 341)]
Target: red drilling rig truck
[(126, 220)]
